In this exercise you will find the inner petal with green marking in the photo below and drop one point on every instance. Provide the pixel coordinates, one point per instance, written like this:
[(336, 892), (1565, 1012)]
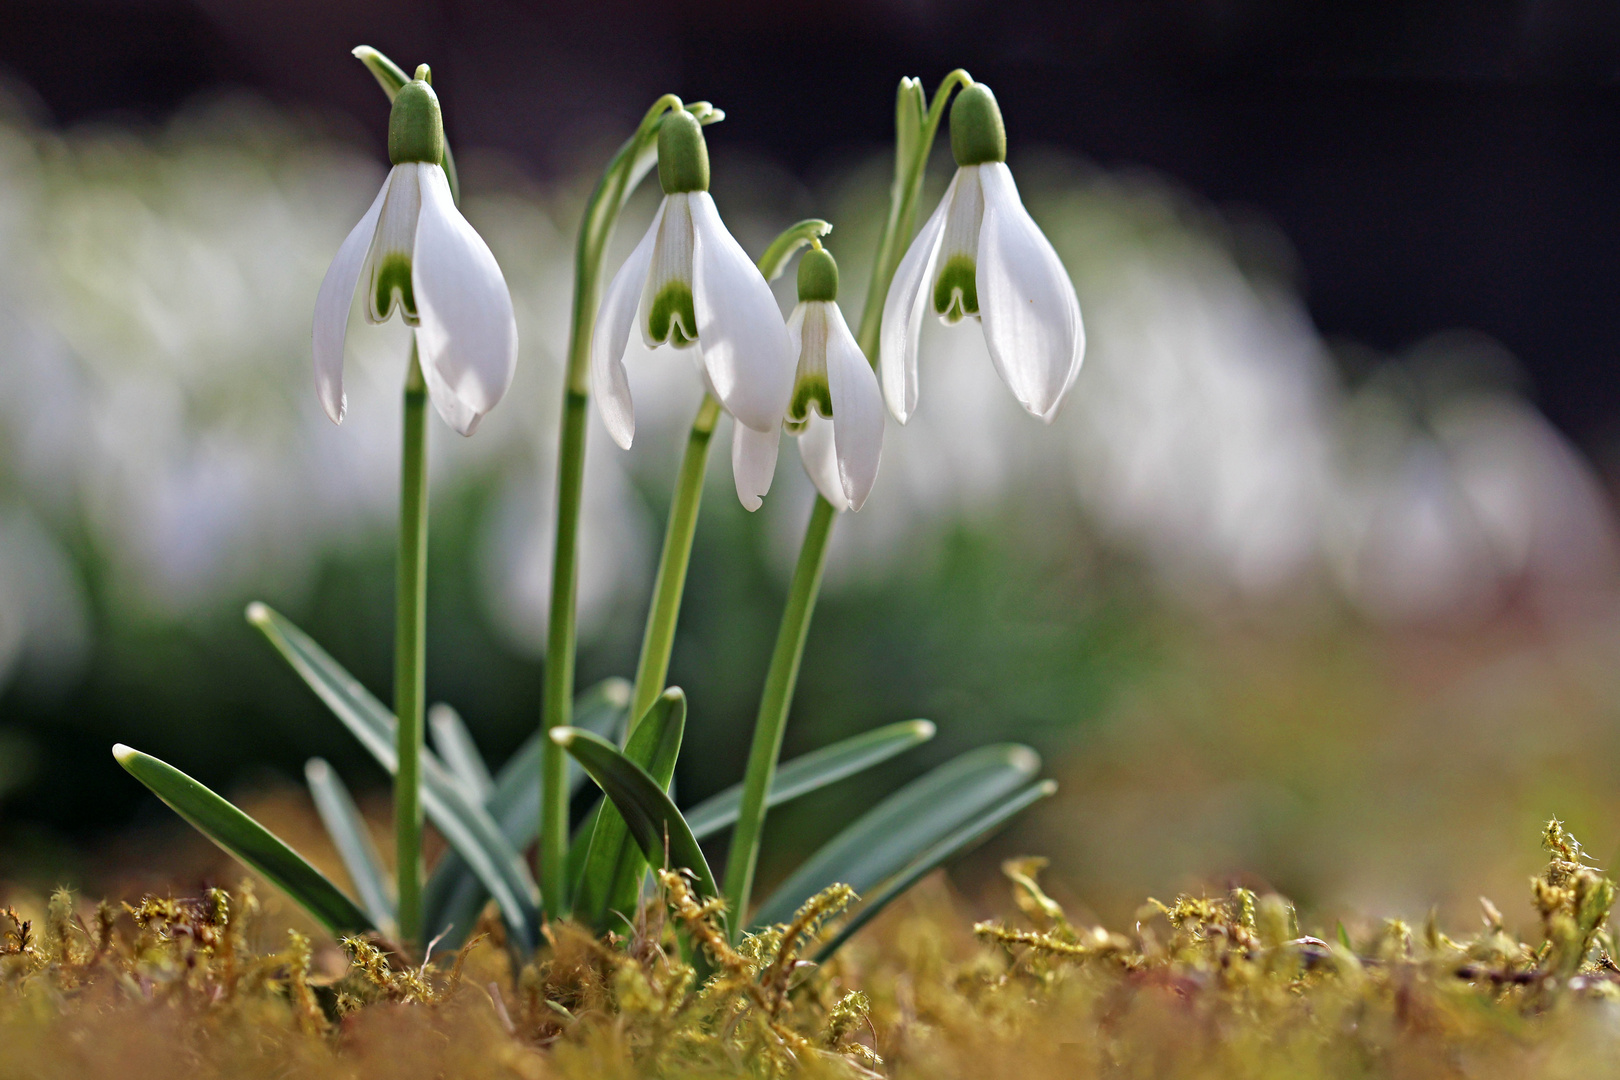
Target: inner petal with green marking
[(390, 284), (810, 389), (671, 317), (956, 290)]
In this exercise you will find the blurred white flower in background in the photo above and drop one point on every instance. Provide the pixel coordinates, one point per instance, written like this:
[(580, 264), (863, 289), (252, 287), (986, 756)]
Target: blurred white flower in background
[(154, 405)]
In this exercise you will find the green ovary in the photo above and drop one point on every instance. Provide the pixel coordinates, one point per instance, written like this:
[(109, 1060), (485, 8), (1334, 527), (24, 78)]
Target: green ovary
[(810, 389), (672, 318), (956, 290), (393, 275)]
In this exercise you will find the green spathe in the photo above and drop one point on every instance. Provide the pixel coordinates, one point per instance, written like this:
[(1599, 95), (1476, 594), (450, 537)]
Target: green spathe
[(978, 134), (818, 275), (683, 156), (416, 126)]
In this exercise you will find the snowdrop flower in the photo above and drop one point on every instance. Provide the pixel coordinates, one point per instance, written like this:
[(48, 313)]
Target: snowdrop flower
[(981, 254), (415, 252), (690, 283), (837, 408)]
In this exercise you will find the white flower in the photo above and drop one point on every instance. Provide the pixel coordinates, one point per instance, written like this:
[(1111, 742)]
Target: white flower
[(415, 252), (837, 408), (689, 282), (981, 254)]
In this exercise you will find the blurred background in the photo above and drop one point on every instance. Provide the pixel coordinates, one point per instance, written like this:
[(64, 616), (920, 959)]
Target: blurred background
[(1312, 585)]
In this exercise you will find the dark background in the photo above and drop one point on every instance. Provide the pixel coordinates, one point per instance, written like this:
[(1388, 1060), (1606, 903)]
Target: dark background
[(1434, 164)]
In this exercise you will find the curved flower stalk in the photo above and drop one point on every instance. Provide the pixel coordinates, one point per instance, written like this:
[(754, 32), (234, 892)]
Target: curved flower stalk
[(416, 254), (836, 408), (982, 255), (687, 283)]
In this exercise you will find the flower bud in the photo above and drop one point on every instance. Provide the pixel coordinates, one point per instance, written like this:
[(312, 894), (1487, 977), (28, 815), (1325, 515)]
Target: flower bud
[(977, 132), (415, 126), (818, 275), (683, 156)]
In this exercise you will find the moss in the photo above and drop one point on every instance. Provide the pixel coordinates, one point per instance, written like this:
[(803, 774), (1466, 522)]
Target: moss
[(1199, 986)]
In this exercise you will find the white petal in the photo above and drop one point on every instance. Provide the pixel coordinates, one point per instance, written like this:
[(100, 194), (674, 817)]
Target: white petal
[(468, 337), (395, 240), (795, 330), (753, 462), (671, 265), (332, 305), (820, 459), (609, 384), (909, 296), (740, 330), (1031, 315), (857, 410)]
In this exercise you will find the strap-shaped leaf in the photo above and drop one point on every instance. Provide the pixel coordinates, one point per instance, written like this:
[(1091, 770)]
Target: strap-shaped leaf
[(245, 840), (458, 751), (453, 896), (465, 825), (648, 812), (887, 838), (352, 839), (812, 771), (957, 843), (614, 867), (579, 842)]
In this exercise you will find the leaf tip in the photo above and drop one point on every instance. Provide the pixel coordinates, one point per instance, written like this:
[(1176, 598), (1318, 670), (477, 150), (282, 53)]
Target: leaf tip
[(317, 771), (124, 754), (617, 692), (1047, 788), (924, 729), (673, 695), (1023, 759), (564, 736), (258, 613)]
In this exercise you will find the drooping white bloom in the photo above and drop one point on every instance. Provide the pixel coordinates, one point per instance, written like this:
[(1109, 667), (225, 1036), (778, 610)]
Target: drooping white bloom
[(416, 253), (981, 254), (688, 282), (837, 408)]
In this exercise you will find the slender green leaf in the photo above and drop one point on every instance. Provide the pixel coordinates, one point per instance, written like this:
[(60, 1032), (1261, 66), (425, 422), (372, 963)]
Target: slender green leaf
[(812, 771), (957, 843), (352, 839), (466, 826), (614, 867), (458, 751), (579, 843), (248, 842), (454, 896), (898, 830), (647, 811)]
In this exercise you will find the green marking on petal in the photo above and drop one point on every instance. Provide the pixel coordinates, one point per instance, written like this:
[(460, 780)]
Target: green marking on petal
[(810, 390), (956, 290), (393, 278), (672, 317)]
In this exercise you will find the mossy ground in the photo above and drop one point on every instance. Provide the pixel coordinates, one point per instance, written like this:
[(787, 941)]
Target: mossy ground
[(1223, 985)]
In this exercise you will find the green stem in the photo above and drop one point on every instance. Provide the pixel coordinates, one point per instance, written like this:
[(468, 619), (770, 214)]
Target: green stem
[(557, 703), (624, 172), (902, 220), (783, 674), (653, 668), (773, 709), (410, 633)]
